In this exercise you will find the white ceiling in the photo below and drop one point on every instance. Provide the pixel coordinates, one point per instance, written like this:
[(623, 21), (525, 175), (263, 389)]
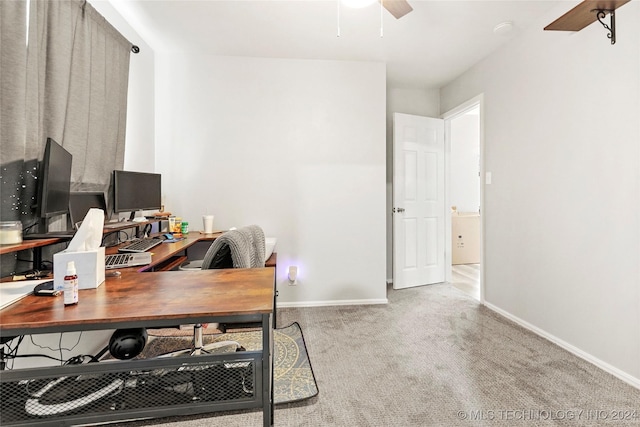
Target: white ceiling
[(427, 48)]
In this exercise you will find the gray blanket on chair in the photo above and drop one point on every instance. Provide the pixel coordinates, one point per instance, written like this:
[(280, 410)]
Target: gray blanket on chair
[(246, 245)]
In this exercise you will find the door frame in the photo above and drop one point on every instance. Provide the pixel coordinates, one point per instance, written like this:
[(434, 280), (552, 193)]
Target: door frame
[(477, 101)]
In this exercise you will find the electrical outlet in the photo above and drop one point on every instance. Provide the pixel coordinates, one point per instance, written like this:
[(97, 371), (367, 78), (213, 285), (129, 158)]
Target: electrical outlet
[(293, 275)]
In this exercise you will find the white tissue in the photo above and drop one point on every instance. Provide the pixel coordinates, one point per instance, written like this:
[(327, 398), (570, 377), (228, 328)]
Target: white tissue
[(89, 235)]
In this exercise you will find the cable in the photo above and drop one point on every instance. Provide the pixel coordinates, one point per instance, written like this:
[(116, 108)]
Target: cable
[(59, 345), (10, 354), (79, 359), (46, 356), (60, 348), (111, 234), (29, 227), (125, 233)]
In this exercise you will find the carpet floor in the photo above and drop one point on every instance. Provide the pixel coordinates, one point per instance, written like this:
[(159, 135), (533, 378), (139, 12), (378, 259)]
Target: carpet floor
[(435, 357)]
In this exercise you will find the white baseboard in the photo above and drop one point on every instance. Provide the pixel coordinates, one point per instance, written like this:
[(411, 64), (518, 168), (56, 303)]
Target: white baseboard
[(296, 304), (629, 379)]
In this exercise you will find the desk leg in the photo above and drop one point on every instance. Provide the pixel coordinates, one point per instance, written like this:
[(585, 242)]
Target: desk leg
[(275, 298), (267, 371), (37, 258)]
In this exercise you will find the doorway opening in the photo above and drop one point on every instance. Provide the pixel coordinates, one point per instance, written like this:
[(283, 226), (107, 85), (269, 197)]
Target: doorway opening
[(464, 197)]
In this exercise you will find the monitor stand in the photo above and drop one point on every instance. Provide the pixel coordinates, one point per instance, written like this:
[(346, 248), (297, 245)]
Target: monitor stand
[(43, 225), (137, 218)]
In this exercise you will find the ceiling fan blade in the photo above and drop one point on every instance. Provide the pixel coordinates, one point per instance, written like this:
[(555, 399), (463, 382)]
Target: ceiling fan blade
[(397, 8), (582, 15)]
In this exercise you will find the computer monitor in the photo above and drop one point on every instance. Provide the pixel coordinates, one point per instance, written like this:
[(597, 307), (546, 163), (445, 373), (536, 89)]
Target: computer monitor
[(54, 180), (136, 191), (80, 202)]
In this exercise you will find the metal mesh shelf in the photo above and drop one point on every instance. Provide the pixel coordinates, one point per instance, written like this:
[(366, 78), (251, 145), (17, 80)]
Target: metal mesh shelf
[(120, 389)]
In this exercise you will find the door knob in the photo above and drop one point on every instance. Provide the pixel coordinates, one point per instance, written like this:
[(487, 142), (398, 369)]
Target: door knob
[(400, 209)]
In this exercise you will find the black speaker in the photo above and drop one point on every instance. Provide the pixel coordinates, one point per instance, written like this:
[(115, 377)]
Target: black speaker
[(127, 343)]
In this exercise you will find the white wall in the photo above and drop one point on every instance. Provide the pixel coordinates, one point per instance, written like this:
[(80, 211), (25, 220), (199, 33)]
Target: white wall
[(296, 146), (562, 214), (465, 162), (419, 102)]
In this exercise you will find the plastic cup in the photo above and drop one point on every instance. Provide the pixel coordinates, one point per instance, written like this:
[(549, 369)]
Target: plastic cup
[(207, 222)]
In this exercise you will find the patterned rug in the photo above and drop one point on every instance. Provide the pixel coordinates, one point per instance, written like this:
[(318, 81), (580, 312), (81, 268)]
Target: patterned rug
[(293, 376)]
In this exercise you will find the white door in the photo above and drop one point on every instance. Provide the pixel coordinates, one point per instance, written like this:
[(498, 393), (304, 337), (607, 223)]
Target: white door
[(418, 201)]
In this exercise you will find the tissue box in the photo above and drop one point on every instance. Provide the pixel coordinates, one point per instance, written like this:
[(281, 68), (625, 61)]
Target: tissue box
[(89, 268)]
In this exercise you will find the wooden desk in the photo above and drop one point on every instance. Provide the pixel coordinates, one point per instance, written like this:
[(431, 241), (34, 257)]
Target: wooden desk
[(153, 299), (27, 244), (35, 245), (38, 243), (167, 256)]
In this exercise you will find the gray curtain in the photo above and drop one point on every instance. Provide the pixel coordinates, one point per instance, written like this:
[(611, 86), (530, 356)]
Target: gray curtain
[(68, 82), (83, 73), (13, 62), (13, 77)]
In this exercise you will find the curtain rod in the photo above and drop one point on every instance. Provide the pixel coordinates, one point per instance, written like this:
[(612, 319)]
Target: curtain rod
[(88, 8)]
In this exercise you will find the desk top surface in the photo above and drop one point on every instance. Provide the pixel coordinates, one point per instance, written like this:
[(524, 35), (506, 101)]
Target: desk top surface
[(168, 249), (152, 296), (27, 244)]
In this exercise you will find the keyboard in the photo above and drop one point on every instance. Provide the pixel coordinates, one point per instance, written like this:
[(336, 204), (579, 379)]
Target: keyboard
[(126, 260), (140, 245)]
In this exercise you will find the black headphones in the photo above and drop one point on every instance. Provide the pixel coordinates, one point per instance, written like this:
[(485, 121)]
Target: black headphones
[(127, 343)]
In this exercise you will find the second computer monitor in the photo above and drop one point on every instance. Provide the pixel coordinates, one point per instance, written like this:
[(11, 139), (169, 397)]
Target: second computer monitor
[(80, 203), (136, 191), (54, 180)]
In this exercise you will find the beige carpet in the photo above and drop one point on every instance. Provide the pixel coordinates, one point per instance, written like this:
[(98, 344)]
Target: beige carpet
[(434, 357)]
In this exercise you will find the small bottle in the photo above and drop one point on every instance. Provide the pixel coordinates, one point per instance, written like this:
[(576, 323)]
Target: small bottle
[(71, 285), (185, 228)]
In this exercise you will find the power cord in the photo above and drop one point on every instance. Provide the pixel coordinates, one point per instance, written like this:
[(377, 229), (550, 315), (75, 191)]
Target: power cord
[(60, 348), (12, 352), (29, 227)]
